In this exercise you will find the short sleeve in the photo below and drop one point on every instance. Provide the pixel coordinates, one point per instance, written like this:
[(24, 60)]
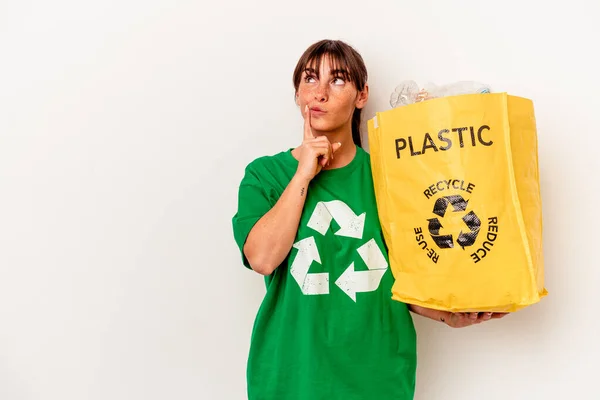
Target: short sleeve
[(253, 204)]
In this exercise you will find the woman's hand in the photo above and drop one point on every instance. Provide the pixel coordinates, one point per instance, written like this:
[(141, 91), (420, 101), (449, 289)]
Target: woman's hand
[(314, 153), (461, 320), (455, 320)]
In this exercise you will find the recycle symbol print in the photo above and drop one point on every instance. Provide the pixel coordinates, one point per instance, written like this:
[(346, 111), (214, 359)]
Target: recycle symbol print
[(351, 281), (471, 221)]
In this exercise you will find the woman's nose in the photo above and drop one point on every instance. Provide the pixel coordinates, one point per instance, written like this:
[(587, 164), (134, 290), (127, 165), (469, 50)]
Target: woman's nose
[(321, 94)]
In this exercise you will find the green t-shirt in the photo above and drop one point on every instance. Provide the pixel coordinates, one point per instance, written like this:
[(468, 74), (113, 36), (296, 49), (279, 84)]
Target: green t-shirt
[(327, 327)]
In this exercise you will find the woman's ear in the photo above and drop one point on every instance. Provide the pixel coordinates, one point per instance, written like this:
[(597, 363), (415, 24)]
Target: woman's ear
[(363, 96)]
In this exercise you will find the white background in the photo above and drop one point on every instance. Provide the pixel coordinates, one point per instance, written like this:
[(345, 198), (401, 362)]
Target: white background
[(124, 130)]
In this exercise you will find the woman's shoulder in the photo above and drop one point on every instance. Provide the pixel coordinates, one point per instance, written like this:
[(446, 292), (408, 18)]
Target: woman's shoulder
[(271, 160), (271, 169), (364, 155)]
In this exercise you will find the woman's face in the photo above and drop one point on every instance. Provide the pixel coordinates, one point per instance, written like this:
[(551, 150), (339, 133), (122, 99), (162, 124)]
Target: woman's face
[(330, 97)]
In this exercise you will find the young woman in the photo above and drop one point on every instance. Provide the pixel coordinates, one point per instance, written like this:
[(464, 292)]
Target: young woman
[(307, 220)]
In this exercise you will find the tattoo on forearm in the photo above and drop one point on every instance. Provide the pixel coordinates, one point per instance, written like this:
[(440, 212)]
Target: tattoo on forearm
[(302, 192)]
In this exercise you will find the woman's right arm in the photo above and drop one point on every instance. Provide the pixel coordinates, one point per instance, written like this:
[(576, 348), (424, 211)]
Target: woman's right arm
[(272, 237)]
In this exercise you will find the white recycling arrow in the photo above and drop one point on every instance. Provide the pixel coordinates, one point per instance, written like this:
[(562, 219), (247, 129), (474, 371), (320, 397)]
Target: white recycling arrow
[(316, 283), (352, 281), (351, 225)]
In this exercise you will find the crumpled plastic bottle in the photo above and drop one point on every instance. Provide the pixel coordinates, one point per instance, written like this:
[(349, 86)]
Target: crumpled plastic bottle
[(407, 92)]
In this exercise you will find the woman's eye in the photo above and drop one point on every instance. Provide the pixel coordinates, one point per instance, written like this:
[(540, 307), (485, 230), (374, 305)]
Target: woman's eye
[(338, 81), (309, 79)]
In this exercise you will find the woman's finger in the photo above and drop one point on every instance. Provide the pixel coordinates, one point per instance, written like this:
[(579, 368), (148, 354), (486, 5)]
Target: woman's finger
[(308, 134), (322, 151), (335, 147)]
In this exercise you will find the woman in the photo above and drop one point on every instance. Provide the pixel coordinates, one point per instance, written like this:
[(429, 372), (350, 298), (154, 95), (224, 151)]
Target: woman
[(307, 220)]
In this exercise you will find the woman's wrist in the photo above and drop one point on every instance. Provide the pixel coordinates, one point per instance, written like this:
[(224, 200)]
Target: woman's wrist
[(445, 317), (301, 179)]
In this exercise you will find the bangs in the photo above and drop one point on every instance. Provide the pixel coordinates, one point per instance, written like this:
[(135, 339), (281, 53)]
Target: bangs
[(339, 66), (345, 62)]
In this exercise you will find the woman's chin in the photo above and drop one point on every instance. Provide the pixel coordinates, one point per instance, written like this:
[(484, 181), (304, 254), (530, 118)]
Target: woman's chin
[(322, 128)]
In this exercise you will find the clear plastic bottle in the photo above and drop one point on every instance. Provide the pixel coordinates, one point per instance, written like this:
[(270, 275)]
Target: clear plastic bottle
[(407, 92)]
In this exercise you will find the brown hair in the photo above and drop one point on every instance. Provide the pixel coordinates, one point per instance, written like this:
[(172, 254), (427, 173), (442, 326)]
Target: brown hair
[(344, 57)]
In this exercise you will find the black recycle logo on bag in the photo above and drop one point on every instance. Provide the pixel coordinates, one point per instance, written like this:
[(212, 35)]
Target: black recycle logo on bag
[(472, 222)]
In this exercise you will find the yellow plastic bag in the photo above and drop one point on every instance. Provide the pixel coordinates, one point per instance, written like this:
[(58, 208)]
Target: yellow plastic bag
[(457, 188)]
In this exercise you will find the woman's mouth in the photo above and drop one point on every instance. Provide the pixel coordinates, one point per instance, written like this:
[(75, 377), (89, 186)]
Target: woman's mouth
[(316, 111)]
